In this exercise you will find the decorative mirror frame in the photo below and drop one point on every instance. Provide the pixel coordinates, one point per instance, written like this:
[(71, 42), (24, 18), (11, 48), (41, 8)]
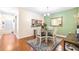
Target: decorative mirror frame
[(56, 22)]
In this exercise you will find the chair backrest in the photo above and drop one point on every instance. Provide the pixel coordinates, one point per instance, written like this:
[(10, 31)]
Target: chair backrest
[(8, 41), (38, 31)]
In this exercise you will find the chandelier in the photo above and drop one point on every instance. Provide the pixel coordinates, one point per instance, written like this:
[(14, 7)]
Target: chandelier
[(47, 12)]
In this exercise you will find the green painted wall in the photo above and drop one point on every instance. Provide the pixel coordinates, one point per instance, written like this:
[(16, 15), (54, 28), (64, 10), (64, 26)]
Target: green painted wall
[(69, 21)]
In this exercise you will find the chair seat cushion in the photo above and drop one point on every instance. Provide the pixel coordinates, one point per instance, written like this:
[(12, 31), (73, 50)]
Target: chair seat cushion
[(49, 34), (43, 34)]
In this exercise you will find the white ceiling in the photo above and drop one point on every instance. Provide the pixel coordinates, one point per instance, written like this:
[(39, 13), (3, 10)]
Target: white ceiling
[(9, 10), (40, 10), (43, 10)]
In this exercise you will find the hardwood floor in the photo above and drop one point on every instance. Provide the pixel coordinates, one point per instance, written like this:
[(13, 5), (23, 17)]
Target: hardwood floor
[(23, 46), (27, 38), (20, 45), (49, 42)]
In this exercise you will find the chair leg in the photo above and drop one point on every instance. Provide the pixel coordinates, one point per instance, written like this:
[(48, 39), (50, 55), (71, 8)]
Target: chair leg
[(46, 40), (40, 42), (37, 38), (36, 41), (54, 41)]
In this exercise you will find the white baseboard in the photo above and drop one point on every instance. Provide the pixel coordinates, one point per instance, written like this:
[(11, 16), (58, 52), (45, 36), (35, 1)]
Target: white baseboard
[(64, 36)]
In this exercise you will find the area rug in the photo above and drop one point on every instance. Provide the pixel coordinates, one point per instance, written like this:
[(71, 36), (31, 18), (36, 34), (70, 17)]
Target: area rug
[(37, 47)]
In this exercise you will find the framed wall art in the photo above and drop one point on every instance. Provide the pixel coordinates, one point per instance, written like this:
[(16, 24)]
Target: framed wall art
[(36, 23)]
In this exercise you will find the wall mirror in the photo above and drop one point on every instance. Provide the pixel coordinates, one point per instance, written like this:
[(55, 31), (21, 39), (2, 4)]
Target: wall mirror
[(56, 22)]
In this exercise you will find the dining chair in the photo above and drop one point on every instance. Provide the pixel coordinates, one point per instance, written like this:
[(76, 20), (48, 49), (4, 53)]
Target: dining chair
[(40, 36)]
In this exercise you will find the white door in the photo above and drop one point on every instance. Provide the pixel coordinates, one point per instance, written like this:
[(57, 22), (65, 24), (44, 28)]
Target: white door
[(7, 23)]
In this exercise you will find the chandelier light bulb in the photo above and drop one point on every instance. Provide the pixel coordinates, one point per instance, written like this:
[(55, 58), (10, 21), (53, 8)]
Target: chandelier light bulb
[(44, 14), (48, 14)]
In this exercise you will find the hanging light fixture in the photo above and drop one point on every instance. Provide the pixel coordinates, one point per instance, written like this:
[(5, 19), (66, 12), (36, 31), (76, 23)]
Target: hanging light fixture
[(76, 16), (46, 13), (77, 13)]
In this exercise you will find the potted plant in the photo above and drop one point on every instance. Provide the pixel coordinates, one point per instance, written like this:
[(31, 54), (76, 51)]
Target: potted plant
[(44, 26)]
